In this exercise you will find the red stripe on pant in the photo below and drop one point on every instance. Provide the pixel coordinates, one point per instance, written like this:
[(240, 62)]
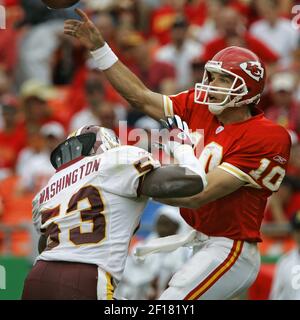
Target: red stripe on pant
[(214, 276)]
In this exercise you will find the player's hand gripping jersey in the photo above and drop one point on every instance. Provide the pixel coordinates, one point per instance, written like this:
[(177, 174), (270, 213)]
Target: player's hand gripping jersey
[(256, 151), (90, 208)]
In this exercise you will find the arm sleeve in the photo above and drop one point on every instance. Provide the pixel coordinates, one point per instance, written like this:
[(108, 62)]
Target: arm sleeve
[(260, 163), (176, 104), (123, 169)]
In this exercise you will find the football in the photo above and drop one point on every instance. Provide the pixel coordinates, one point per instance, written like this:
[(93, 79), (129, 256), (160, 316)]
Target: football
[(59, 4)]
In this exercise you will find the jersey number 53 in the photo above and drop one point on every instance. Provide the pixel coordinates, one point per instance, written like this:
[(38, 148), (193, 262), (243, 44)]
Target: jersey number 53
[(92, 214)]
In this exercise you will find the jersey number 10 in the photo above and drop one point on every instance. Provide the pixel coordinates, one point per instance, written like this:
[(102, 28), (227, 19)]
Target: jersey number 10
[(211, 157)]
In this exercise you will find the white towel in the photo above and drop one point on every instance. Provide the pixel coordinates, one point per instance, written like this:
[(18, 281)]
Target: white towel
[(165, 244)]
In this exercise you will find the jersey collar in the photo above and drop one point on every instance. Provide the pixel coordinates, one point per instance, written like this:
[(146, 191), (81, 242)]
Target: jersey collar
[(69, 163)]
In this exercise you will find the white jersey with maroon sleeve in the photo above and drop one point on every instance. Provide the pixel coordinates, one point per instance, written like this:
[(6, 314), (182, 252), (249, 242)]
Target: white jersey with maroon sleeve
[(90, 208)]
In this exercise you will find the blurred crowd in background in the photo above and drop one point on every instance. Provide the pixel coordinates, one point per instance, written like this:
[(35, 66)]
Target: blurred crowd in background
[(49, 86)]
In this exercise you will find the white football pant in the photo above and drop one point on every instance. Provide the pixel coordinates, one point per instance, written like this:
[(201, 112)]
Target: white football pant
[(219, 269)]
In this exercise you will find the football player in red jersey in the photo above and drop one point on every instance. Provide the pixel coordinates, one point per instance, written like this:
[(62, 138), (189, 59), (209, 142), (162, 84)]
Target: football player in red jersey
[(245, 156)]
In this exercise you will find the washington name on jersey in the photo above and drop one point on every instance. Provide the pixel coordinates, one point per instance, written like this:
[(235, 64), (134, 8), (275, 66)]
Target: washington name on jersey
[(69, 179)]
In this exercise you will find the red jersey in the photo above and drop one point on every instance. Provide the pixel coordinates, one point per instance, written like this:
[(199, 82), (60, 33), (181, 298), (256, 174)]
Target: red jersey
[(255, 151)]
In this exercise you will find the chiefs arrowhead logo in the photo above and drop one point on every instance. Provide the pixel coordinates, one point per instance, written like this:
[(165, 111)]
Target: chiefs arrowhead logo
[(254, 69)]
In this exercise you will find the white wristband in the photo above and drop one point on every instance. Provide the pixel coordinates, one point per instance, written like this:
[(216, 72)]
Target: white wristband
[(185, 156), (104, 57)]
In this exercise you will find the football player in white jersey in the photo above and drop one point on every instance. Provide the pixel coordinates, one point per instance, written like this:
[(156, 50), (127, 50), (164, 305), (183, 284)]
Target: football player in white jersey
[(92, 205)]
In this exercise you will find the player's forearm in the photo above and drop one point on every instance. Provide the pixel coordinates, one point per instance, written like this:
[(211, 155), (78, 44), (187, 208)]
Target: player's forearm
[(186, 179), (192, 202), (178, 202), (128, 85), (219, 184), (171, 182), (123, 80)]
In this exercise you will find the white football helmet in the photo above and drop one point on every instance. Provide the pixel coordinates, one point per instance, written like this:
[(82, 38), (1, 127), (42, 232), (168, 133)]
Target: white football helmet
[(86, 141)]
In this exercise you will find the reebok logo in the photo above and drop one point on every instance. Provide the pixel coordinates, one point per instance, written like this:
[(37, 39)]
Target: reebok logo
[(219, 129)]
